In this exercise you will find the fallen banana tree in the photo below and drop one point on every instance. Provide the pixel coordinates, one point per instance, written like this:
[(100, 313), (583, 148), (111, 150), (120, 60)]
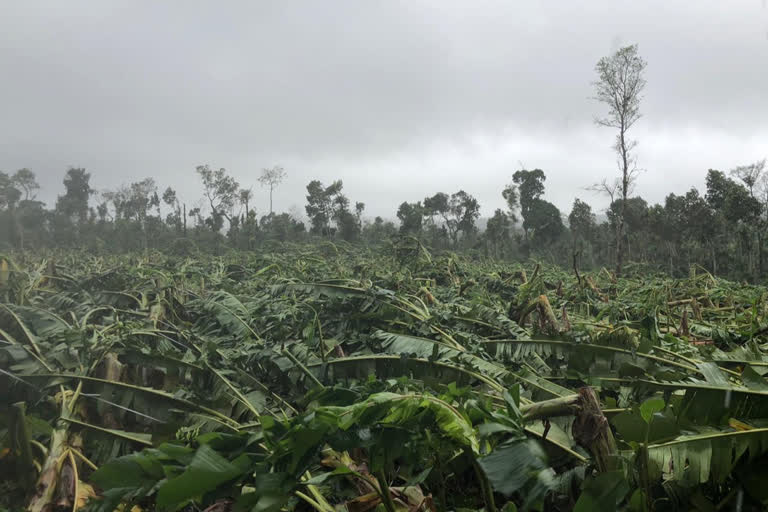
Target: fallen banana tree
[(227, 382)]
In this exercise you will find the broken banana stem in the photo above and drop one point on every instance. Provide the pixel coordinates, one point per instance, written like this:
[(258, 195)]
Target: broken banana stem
[(590, 426), (563, 406), (45, 489), (549, 320)]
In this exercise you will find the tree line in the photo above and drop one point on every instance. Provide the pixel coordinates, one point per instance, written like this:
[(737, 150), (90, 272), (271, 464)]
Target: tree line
[(720, 229)]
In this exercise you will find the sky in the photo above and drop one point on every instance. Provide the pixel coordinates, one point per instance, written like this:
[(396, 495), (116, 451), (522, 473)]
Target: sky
[(399, 100)]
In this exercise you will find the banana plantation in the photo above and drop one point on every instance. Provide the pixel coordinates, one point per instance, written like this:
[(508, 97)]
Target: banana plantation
[(336, 378)]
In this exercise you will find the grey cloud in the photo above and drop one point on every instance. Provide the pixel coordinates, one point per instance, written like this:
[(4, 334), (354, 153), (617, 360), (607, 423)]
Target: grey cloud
[(399, 99)]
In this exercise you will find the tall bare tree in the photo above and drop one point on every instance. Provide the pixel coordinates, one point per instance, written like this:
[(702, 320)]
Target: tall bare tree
[(272, 178), (619, 86), (752, 175)]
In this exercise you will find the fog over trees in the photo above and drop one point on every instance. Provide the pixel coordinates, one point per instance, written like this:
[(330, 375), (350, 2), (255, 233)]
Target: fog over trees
[(719, 228)]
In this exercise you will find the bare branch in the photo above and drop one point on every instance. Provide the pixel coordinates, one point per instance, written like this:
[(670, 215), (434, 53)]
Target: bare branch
[(619, 86)]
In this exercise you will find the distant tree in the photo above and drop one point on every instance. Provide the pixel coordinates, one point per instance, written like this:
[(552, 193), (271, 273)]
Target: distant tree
[(512, 199), (102, 211), (322, 202), (9, 198), (582, 223), (437, 205), (9, 193), (196, 213), (411, 216), (272, 178), (379, 230), (350, 225), (438, 233), (142, 196), (751, 175), (730, 199), (530, 188), (282, 227), (119, 200), (244, 196), (177, 219), (25, 180), (170, 198), (688, 229), (619, 86), (221, 193), (498, 231), (633, 213), (465, 211), (340, 203), (736, 211), (347, 223), (74, 202), (761, 194), (459, 211), (133, 219), (610, 189), (71, 210), (32, 219), (543, 223)]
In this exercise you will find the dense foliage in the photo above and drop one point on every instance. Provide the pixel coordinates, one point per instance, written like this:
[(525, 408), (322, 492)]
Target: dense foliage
[(331, 377), (720, 229)]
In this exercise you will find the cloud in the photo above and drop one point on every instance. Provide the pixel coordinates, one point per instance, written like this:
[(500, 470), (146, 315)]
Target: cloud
[(399, 100)]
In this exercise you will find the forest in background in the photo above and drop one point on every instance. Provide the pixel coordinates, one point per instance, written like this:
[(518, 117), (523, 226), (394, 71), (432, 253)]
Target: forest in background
[(721, 229)]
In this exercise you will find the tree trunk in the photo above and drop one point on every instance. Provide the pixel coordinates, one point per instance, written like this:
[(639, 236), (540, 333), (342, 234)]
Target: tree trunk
[(547, 319), (619, 244), (590, 427), (629, 249), (624, 192), (591, 430), (42, 499)]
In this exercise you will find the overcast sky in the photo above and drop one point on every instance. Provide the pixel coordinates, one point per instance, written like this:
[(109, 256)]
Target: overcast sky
[(398, 99)]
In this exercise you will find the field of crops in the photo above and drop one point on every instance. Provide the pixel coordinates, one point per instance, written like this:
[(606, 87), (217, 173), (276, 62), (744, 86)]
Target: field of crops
[(332, 378)]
